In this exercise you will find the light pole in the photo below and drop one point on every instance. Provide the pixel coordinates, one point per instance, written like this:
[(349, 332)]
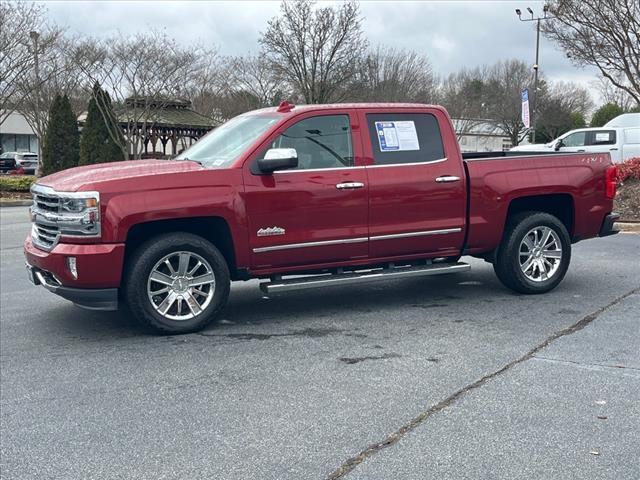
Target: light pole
[(35, 36), (536, 66)]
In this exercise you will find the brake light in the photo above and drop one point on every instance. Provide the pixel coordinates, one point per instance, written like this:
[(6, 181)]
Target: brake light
[(611, 182)]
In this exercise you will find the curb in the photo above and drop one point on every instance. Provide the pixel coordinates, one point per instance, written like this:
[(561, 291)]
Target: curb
[(15, 203), (628, 227)]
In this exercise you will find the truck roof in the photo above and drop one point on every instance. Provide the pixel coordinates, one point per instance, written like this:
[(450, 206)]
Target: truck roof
[(287, 108)]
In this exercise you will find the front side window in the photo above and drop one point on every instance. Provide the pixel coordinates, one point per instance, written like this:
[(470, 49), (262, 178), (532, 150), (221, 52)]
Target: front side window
[(575, 139), (398, 138), (320, 142), (224, 145)]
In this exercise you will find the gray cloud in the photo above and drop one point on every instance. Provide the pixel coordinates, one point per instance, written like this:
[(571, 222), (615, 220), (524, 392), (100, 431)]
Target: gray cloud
[(452, 34)]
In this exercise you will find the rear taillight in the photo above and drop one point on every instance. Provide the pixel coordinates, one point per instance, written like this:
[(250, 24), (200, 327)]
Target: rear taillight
[(611, 182)]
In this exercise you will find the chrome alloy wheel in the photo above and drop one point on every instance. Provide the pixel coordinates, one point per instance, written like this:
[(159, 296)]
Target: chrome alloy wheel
[(540, 254), (181, 285)]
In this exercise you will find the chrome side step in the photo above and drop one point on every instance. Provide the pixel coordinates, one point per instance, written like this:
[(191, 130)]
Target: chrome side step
[(325, 280)]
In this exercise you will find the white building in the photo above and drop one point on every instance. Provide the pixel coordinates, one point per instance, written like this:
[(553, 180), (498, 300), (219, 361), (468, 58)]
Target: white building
[(16, 135), (480, 136)]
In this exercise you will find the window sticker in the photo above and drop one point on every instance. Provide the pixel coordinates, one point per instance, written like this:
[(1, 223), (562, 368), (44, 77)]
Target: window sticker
[(397, 136), (603, 137)]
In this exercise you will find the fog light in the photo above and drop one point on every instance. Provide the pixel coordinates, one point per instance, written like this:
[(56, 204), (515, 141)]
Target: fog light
[(71, 265)]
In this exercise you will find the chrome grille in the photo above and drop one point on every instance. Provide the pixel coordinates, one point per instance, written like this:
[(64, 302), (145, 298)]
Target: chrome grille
[(45, 236), (47, 203)]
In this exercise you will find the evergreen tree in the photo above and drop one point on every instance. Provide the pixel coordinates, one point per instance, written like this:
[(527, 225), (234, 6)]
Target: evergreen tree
[(606, 112), (96, 144), (61, 140)]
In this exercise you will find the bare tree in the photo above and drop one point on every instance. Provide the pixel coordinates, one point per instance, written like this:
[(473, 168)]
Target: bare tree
[(609, 93), (316, 49), (504, 86), (142, 73), (390, 75), (562, 106), (464, 95), (601, 33), (57, 75), (17, 54)]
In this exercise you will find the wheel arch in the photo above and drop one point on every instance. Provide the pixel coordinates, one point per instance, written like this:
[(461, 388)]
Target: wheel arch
[(560, 205), (214, 229)]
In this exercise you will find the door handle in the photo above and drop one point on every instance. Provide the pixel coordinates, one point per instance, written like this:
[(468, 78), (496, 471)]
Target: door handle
[(447, 179), (613, 149), (349, 185), (581, 151)]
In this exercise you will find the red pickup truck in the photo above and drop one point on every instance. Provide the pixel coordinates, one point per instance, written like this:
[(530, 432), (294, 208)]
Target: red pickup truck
[(307, 196)]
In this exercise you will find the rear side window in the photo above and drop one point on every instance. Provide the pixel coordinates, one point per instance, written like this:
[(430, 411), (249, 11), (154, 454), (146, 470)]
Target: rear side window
[(602, 137), (398, 138)]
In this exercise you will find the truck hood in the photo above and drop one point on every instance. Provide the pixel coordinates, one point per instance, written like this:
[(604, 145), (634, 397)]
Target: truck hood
[(75, 179)]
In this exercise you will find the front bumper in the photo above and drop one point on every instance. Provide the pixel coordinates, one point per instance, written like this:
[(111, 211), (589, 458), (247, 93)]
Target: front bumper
[(90, 298), (608, 227), (99, 268)]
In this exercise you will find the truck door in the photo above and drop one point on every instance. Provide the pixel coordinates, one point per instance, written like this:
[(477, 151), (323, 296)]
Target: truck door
[(417, 186), (605, 140), (316, 213)]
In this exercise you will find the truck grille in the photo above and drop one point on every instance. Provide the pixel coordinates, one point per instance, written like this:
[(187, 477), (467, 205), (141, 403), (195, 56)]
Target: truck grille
[(47, 203), (45, 236)]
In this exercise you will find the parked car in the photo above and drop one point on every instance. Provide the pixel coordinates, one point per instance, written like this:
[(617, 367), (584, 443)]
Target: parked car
[(305, 197), (27, 161), (621, 143)]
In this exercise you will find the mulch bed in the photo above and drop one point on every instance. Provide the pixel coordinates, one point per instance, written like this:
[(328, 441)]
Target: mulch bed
[(627, 202)]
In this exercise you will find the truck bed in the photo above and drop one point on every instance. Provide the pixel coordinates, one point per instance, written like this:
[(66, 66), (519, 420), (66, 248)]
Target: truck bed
[(575, 181)]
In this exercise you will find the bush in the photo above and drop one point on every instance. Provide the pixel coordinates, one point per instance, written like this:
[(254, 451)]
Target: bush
[(61, 148), (16, 183), (630, 169)]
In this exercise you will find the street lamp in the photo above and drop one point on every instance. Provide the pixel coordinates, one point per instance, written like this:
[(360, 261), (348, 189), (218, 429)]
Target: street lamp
[(35, 36), (545, 10)]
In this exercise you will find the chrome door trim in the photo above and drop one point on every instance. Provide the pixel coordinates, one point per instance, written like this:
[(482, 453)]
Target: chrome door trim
[(440, 160), (355, 240), (331, 169), (310, 244), (416, 234)]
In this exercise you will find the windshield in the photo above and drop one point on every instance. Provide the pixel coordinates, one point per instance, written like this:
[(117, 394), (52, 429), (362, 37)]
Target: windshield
[(226, 143)]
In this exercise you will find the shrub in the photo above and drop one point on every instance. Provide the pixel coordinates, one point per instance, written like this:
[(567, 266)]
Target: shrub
[(16, 183), (61, 148), (630, 169), (96, 144)]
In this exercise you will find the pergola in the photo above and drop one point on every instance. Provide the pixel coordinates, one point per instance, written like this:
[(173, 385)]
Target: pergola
[(166, 121)]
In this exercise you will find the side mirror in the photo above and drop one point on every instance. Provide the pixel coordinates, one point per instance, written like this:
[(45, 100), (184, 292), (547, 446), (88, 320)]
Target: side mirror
[(278, 159), (558, 145)]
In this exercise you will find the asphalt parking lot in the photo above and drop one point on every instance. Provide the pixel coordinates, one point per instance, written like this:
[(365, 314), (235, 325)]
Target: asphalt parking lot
[(449, 377)]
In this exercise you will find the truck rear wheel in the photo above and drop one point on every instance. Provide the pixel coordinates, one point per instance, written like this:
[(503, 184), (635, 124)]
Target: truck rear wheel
[(534, 254), (177, 283)]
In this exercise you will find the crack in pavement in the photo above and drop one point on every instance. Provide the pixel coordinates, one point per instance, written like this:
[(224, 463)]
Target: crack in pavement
[(350, 464), (352, 360), (589, 366)]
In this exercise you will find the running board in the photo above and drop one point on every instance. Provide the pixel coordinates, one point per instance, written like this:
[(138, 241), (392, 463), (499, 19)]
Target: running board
[(313, 281)]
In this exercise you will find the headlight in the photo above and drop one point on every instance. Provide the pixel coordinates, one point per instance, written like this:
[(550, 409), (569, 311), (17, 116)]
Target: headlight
[(77, 205)]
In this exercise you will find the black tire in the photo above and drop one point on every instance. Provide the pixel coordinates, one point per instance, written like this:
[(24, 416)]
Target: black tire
[(140, 267), (508, 257)]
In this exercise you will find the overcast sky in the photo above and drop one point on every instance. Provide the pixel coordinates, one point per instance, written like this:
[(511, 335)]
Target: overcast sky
[(452, 34)]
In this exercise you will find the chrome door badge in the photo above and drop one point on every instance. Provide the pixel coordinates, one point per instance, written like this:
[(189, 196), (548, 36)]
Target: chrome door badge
[(271, 231)]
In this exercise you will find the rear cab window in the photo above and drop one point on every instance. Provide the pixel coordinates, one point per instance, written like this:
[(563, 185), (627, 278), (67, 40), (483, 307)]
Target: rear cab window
[(402, 138), (602, 137)]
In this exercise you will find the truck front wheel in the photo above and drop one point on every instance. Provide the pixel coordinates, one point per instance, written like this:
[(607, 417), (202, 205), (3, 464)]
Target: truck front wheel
[(534, 254), (176, 283)]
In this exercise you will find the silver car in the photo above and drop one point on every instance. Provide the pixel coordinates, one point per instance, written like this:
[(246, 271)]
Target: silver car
[(28, 161)]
